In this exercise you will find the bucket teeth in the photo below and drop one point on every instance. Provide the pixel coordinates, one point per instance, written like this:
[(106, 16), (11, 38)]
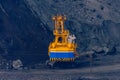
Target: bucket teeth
[(53, 59), (67, 59), (59, 59)]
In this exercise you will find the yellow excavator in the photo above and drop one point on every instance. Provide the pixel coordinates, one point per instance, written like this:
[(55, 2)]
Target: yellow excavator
[(63, 47)]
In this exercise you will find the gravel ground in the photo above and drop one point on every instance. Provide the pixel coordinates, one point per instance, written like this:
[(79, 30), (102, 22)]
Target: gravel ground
[(111, 72)]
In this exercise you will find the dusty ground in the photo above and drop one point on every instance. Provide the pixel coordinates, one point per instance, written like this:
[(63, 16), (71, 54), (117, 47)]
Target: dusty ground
[(109, 72)]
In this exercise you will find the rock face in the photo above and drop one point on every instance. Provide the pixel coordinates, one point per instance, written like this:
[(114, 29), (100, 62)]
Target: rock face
[(22, 35), (94, 22), (26, 25), (85, 11)]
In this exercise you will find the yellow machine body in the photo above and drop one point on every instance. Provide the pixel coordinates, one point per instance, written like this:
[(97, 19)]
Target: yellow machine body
[(61, 49)]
